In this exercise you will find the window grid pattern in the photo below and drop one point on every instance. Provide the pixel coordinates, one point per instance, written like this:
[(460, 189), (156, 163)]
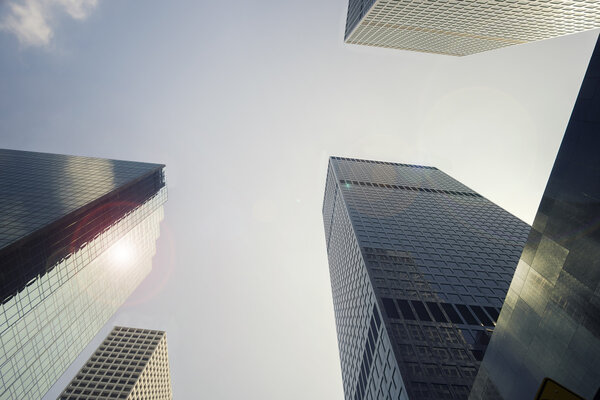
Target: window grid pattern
[(79, 296), (396, 174), (60, 282), (355, 306), (462, 27), (130, 364), (40, 188), (33, 255), (356, 11), (40, 289), (438, 264)]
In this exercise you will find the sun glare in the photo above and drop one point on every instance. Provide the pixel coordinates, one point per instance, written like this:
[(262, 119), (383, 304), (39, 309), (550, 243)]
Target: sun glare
[(122, 253)]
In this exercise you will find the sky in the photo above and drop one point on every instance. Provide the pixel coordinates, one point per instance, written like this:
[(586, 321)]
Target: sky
[(244, 101)]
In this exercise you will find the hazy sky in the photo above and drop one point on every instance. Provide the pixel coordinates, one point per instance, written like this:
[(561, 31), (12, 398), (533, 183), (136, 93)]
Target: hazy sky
[(245, 101)]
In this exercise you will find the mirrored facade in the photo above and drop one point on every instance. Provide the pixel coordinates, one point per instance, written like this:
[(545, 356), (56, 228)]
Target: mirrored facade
[(419, 266), (77, 235), (549, 326), (464, 27), (130, 364)]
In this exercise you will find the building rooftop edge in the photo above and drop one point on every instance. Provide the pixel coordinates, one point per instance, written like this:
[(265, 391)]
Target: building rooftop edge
[(156, 165), (136, 328), (381, 162)]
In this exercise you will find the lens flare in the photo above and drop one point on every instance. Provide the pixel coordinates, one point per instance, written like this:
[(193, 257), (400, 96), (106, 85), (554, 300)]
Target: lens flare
[(122, 253)]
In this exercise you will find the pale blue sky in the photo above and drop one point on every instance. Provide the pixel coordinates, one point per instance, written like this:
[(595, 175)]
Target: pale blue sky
[(244, 101)]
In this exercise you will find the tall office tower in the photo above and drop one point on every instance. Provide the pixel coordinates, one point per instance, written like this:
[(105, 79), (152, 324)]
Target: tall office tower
[(464, 27), (77, 236), (549, 326), (130, 364), (419, 265)]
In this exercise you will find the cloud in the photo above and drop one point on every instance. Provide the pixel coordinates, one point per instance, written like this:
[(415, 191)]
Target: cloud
[(78, 9), (32, 21)]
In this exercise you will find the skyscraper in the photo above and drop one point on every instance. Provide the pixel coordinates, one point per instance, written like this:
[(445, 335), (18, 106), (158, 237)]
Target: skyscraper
[(419, 265), (549, 326), (130, 364), (464, 27), (77, 236)]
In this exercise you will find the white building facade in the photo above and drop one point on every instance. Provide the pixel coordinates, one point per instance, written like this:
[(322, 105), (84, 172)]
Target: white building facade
[(130, 364), (463, 27)]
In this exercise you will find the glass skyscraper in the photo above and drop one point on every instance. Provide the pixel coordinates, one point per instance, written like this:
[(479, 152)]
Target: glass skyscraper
[(77, 236), (420, 265), (549, 326), (464, 27), (131, 363)]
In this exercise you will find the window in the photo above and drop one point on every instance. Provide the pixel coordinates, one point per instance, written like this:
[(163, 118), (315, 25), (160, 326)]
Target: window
[(436, 311), (466, 314), (421, 311), (405, 309), (390, 308)]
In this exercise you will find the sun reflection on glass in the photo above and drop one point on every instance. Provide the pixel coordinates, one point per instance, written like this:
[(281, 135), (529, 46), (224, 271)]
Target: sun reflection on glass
[(122, 253)]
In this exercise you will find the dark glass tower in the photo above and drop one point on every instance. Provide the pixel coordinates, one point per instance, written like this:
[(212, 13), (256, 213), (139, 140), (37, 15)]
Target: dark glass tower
[(77, 235), (549, 326), (419, 265)]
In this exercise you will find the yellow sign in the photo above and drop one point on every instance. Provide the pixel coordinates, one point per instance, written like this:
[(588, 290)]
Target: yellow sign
[(551, 390)]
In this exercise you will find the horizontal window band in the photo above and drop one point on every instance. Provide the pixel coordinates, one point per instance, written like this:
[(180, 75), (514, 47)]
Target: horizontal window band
[(401, 309), (383, 163), (412, 188)]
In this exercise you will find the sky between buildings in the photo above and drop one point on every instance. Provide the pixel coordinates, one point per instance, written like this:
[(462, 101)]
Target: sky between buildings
[(245, 101)]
